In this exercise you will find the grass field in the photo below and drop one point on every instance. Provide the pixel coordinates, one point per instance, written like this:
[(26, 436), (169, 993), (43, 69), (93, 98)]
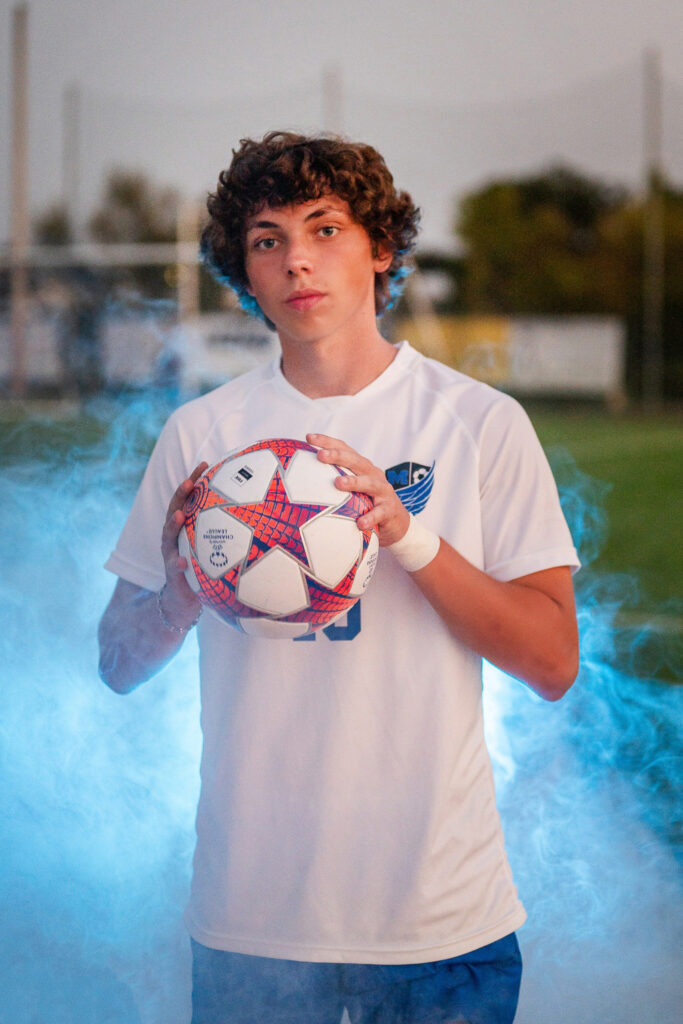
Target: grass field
[(640, 459)]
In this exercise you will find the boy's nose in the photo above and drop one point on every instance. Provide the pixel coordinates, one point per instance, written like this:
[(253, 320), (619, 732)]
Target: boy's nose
[(298, 259)]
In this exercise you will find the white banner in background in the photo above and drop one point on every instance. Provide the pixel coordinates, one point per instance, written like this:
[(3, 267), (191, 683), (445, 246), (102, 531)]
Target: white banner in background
[(573, 355)]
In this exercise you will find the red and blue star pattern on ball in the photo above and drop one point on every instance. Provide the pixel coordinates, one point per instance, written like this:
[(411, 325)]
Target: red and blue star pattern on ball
[(275, 521)]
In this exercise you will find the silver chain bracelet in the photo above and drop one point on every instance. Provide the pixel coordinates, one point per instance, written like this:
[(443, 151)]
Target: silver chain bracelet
[(180, 630)]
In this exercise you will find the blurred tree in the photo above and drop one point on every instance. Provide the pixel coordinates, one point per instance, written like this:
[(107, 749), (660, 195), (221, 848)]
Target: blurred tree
[(53, 227), (561, 242), (135, 210), (530, 245), (132, 210)]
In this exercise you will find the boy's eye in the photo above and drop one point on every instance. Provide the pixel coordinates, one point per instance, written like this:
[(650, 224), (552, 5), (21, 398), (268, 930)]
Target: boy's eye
[(329, 230), (265, 243)]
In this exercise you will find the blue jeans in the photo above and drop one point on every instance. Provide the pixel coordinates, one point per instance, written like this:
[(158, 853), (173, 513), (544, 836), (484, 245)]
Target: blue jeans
[(481, 987)]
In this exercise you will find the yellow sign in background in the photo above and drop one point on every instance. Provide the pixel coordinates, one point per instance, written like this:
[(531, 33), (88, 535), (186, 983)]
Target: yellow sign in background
[(476, 345)]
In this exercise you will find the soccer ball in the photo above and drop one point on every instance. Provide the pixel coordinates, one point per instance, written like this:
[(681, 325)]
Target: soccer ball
[(272, 546)]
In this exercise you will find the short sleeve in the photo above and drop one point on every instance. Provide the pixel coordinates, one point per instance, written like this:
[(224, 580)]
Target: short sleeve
[(524, 530), (137, 556)]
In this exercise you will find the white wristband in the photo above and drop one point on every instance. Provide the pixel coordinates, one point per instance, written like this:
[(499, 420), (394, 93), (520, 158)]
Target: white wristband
[(417, 547)]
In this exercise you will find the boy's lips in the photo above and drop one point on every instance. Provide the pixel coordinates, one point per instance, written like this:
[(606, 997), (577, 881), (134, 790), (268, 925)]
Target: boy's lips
[(304, 299)]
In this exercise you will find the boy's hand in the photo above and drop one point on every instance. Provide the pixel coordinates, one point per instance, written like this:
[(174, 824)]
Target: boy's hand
[(389, 514), (180, 603)]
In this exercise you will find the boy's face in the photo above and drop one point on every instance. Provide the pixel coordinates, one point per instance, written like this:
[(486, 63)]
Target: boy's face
[(311, 269)]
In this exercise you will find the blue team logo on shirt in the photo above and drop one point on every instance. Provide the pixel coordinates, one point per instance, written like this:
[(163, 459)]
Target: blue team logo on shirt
[(413, 483)]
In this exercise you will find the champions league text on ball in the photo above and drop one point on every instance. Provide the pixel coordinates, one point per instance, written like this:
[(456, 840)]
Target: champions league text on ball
[(349, 854)]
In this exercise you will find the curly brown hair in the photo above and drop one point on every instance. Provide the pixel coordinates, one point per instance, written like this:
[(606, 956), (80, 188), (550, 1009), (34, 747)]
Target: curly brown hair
[(285, 168)]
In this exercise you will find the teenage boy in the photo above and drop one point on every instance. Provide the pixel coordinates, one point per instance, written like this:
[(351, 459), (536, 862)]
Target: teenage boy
[(349, 851)]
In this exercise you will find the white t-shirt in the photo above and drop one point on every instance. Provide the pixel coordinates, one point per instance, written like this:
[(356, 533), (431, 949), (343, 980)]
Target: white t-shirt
[(347, 809)]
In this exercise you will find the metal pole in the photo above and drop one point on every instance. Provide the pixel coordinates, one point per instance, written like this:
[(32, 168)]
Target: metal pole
[(653, 233), (333, 99), (19, 239), (71, 156)]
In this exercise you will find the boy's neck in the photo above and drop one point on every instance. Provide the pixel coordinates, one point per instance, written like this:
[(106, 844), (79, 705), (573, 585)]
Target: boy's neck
[(327, 368)]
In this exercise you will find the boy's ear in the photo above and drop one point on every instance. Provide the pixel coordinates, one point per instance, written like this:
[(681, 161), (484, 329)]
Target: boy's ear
[(383, 258)]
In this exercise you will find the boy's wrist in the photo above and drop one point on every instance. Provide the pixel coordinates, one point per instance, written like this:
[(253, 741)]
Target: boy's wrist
[(169, 616), (416, 548)]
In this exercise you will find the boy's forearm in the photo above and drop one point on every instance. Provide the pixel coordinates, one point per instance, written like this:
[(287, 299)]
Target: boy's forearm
[(526, 627), (134, 642)]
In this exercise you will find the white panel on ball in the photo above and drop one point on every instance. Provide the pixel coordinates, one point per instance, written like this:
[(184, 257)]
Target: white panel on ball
[(185, 552), (333, 545), (312, 482), (274, 629), (366, 568), (220, 541), (274, 585), (244, 480)]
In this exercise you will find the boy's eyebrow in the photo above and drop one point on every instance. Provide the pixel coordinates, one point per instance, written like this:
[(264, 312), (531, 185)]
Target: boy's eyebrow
[(322, 212), (262, 224)]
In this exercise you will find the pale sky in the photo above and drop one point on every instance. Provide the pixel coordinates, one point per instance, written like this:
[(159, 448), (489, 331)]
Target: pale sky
[(452, 93)]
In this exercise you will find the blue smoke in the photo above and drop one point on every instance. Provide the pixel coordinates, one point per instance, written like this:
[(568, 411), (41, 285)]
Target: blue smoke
[(588, 791), (99, 791)]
